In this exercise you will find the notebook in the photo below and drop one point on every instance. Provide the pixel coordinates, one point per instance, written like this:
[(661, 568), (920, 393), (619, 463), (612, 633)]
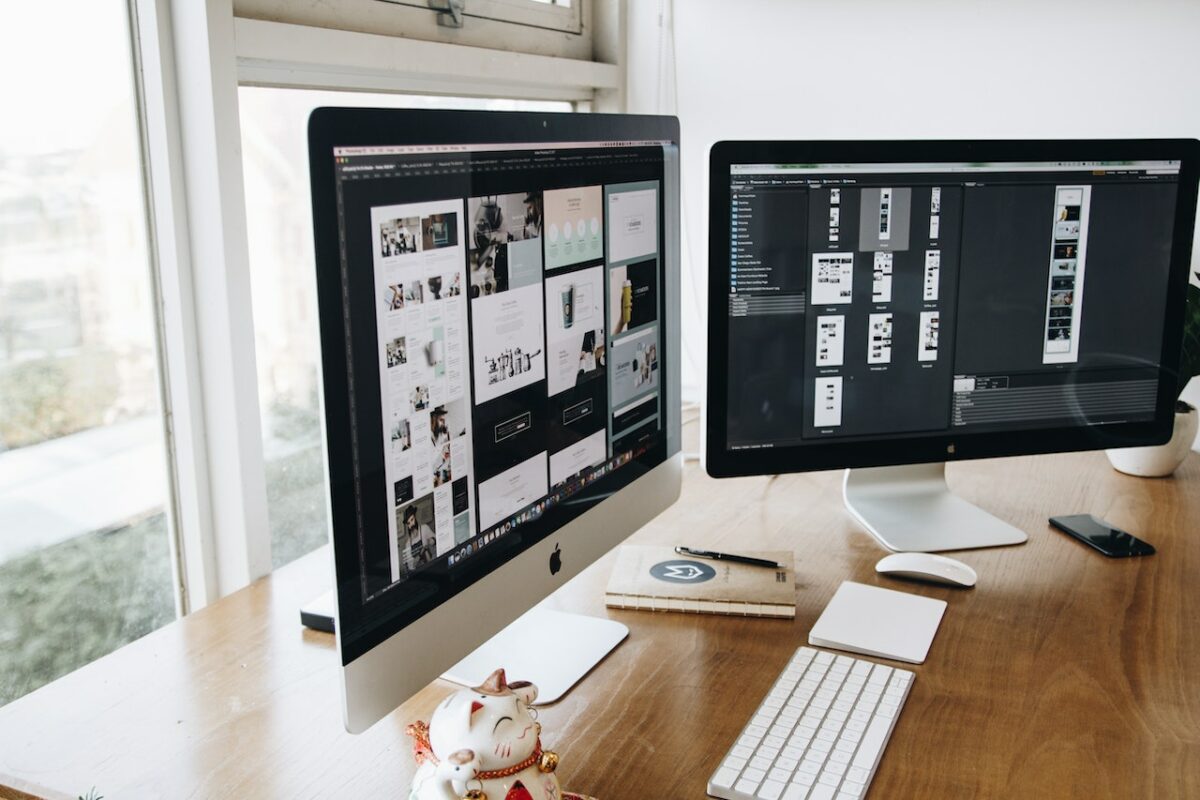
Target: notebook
[(878, 622), (657, 579)]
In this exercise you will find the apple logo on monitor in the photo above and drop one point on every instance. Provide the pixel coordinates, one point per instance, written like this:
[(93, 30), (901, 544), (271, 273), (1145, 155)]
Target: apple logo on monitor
[(555, 561)]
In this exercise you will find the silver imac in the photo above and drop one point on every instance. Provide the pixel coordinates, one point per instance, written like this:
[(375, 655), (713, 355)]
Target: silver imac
[(499, 315)]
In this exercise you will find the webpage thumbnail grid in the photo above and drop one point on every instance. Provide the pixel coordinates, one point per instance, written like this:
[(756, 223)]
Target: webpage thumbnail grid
[(518, 349)]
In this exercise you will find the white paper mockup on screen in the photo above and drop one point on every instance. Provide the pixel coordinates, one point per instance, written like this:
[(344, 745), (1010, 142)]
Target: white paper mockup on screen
[(832, 278), (827, 410), (831, 335), (878, 622)]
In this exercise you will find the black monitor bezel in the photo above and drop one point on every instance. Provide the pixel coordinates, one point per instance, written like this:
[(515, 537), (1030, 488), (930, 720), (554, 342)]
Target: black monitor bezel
[(331, 127), (721, 462)]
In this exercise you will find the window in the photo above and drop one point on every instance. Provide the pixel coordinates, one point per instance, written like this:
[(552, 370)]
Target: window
[(279, 226), (85, 560)]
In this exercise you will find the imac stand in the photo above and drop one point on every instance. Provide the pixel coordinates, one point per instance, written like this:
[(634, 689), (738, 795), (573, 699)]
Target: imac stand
[(551, 649), (911, 509)]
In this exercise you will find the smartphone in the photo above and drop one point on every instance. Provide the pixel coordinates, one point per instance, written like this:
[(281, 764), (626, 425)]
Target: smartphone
[(1113, 542)]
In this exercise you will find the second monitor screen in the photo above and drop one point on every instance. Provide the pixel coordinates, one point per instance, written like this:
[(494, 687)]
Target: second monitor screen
[(903, 300)]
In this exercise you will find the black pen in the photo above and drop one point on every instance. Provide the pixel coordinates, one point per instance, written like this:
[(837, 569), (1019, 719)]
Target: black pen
[(754, 562)]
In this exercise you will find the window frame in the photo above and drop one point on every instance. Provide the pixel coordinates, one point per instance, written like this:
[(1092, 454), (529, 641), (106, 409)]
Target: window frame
[(286, 55), (514, 25), (567, 19)]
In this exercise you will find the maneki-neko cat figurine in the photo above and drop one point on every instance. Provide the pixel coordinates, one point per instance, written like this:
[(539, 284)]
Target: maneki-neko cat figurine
[(485, 744)]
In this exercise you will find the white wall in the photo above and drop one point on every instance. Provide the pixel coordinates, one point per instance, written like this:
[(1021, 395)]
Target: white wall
[(858, 69)]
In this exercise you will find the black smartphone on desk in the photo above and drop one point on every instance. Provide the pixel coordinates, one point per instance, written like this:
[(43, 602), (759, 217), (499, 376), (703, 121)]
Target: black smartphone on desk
[(1112, 541)]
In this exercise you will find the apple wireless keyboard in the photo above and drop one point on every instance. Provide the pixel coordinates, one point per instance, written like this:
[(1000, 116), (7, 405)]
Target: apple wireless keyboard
[(818, 734)]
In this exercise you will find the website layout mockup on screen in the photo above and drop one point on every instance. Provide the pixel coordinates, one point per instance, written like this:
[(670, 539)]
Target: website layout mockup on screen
[(512, 297)]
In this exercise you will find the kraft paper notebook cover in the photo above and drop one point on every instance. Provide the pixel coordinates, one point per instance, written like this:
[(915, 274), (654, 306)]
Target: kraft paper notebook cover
[(659, 579)]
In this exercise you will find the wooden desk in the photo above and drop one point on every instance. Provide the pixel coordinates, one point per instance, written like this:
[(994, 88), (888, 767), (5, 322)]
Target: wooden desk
[(1063, 674)]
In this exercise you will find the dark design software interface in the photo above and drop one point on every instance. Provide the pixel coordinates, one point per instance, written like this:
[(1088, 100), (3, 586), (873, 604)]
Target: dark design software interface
[(504, 307), (872, 300)]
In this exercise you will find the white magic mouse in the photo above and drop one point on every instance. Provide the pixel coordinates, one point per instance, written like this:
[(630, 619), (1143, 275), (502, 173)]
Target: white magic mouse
[(927, 567)]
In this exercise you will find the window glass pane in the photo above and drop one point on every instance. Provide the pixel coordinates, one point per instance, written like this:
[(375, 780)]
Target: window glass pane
[(279, 225), (85, 563)]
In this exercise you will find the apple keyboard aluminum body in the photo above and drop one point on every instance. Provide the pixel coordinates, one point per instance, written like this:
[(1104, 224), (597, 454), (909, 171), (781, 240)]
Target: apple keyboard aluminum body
[(818, 734)]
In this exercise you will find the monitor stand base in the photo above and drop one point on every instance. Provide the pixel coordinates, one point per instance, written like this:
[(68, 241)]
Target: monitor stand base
[(911, 509), (551, 649)]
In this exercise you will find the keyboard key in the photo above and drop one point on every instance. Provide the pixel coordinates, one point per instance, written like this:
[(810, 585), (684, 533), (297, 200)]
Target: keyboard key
[(746, 786), (780, 774), (795, 791), (857, 775), (822, 792), (735, 763), (809, 767), (724, 777), (753, 774), (829, 779), (852, 790), (760, 763), (872, 744), (770, 790)]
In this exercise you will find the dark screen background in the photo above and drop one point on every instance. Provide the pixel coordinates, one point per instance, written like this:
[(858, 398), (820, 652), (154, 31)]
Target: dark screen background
[(995, 237)]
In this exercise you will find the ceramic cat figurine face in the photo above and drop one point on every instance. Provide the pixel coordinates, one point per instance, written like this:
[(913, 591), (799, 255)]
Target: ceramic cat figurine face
[(486, 739)]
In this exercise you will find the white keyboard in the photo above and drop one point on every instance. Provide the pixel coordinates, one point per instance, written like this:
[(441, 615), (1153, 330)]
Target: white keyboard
[(818, 735)]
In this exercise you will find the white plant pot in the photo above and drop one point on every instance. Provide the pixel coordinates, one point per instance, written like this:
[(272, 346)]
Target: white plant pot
[(1163, 459)]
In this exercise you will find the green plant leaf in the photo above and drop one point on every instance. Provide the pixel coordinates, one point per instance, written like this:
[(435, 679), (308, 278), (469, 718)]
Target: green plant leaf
[(1189, 365)]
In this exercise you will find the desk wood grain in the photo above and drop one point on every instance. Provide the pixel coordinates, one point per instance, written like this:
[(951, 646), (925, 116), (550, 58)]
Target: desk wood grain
[(1062, 674)]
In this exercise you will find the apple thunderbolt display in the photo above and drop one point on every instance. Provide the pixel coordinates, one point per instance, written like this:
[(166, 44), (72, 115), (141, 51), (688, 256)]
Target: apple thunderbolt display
[(499, 314), (891, 306)]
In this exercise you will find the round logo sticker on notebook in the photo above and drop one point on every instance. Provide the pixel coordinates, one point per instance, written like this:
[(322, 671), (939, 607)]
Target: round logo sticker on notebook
[(682, 571)]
